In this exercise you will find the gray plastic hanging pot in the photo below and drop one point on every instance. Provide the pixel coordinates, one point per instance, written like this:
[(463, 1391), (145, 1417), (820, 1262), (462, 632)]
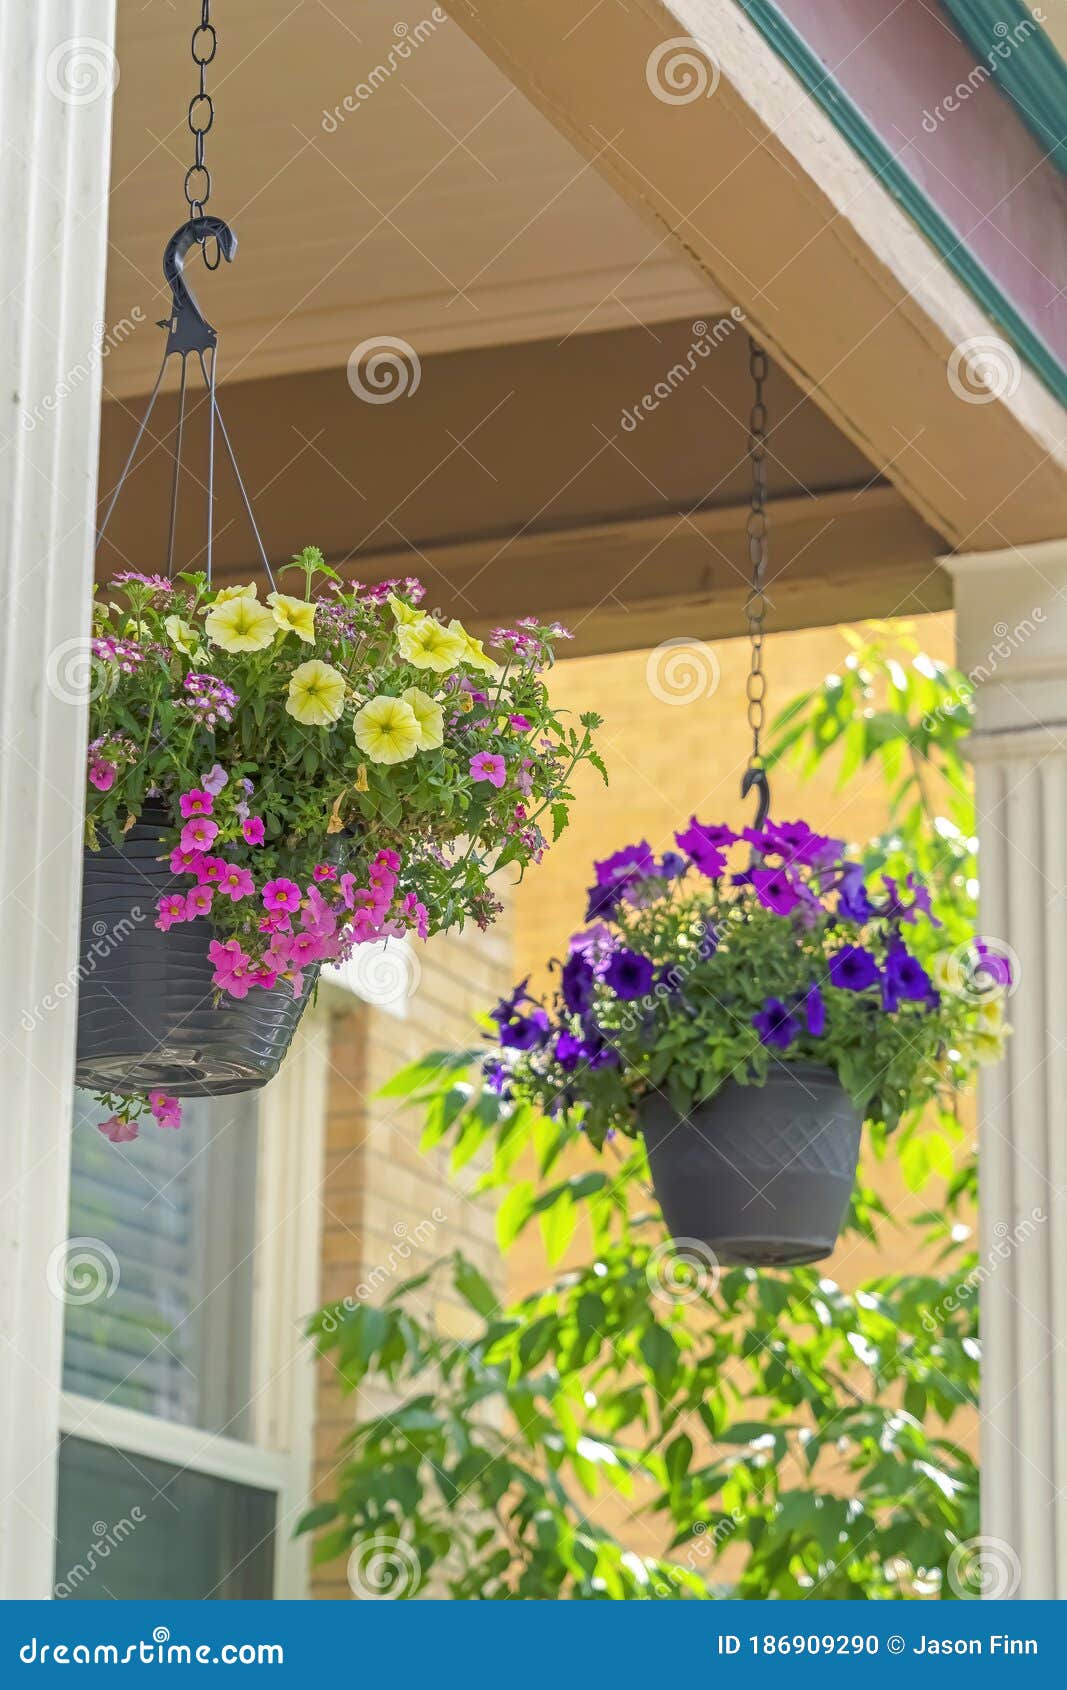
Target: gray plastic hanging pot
[(147, 1018), (761, 1175)]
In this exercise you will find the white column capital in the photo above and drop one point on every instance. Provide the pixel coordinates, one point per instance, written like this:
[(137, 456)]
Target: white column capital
[(1011, 639)]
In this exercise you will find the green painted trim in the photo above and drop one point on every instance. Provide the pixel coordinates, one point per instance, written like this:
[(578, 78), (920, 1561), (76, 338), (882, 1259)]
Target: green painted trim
[(1028, 68), (865, 140)]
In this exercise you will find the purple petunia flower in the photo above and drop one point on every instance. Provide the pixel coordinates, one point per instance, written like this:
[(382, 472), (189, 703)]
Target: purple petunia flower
[(815, 1011), (796, 842), (629, 975), (852, 900), (525, 1032), (775, 890), (631, 863), (577, 984), (853, 969), (215, 779), (905, 979), (775, 1025), (569, 1051), (705, 846)]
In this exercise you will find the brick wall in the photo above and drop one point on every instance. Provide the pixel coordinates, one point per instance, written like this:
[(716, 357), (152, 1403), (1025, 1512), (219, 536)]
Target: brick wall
[(388, 1210)]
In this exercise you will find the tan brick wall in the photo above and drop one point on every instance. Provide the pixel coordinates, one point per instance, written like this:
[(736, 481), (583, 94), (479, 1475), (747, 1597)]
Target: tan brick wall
[(388, 1210)]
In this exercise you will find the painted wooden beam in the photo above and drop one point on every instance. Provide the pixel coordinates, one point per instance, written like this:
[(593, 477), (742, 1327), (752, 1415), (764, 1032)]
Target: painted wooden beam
[(695, 119)]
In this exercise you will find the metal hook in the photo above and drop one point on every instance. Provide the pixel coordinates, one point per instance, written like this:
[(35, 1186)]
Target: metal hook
[(756, 776), (190, 330)]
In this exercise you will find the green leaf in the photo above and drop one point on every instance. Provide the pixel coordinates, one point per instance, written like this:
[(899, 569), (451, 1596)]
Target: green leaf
[(475, 1289)]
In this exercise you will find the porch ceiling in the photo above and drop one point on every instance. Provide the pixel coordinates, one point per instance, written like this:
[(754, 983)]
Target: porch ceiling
[(447, 210)]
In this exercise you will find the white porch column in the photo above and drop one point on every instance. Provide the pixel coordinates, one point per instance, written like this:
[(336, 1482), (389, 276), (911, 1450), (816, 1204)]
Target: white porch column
[(57, 72), (1012, 636)]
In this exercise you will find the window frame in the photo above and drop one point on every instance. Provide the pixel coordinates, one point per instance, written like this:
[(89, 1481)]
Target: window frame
[(279, 1454)]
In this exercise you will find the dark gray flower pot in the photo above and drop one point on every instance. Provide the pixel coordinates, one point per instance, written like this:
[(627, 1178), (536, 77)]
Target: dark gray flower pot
[(761, 1175), (146, 1013)]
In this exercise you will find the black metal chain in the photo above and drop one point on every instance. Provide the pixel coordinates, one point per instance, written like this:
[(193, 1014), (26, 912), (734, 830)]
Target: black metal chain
[(203, 46), (756, 601)]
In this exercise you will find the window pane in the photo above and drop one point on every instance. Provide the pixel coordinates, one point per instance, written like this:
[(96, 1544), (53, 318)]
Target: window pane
[(134, 1529), (164, 1327)]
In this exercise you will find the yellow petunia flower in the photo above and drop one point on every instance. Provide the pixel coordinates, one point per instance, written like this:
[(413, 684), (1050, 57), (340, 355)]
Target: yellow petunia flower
[(474, 655), (425, 644), (316, 693), (240, 624), (181, 635), (387, 730), (430, 717), (225, 594), (403, 612), (295, 616)]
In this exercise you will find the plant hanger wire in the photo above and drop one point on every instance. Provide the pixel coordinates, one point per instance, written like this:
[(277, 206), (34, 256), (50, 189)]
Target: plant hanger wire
[(756, 528), (188, 330)]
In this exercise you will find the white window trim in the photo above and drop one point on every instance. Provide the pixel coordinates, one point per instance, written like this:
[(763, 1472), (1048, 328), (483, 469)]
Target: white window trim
[(291, 1135)]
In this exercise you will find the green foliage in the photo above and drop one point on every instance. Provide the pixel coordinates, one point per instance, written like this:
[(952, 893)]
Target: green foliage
[(784, 1437)]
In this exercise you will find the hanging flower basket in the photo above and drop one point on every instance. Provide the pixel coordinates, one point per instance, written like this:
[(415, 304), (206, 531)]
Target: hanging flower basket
[(745, 1011), (758, 1174), (150, 1016), (272, 785)]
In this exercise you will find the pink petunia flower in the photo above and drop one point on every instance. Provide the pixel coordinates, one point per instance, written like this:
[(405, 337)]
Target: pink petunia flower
[(172, 909), (210, 870), (487, 765), (199, 900), (196, 803), (186, 862), (236, 882), (102, 774), (323, 871), (416, 914), (519, 722), (118, 1129), (166, 1110), (281, 895), (253, 830), (304, 948), (198, 834), (387, 859), (231, 967)]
